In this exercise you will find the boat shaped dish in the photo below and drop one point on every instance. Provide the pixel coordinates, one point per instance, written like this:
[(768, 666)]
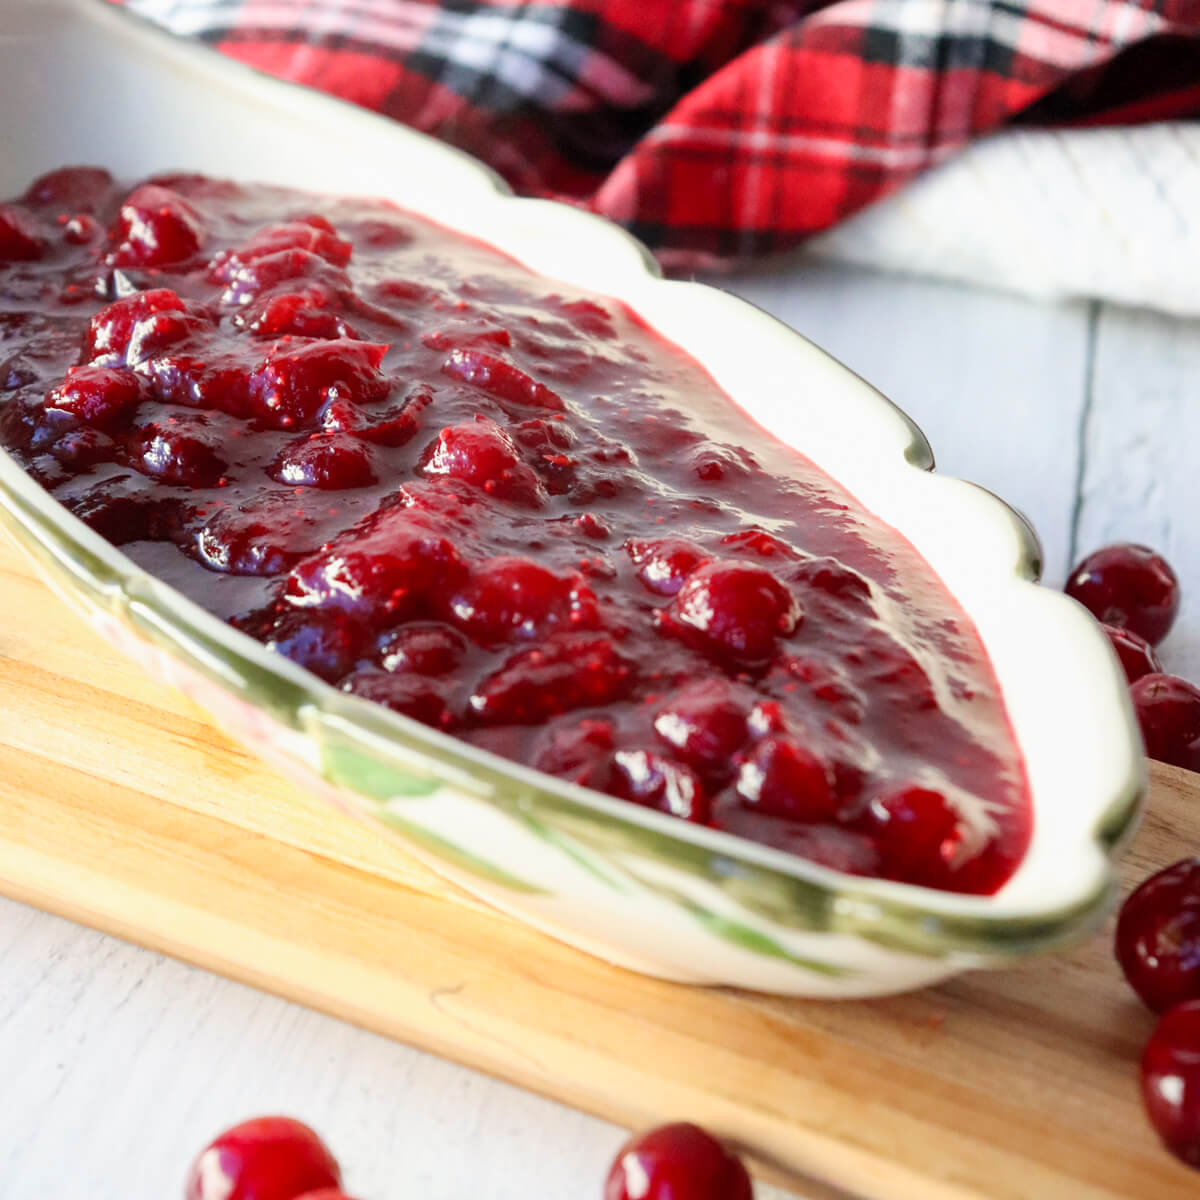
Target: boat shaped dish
[(635, 886)]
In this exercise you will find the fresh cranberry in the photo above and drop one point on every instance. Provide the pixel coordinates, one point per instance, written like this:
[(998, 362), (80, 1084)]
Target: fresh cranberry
[(331, 461), (394, 566), (785, 779), (582, 753), (1158, 936), (412, 695), (1137, 656), (268, 1158), (677, 1162), (704, 723), (500, 379), (155, 228), (1168, 711), (101, 396), (136, 327), (514, 597), (664, 564), (1171, 1081), (919, 834), (663, 783), (481, 453), (21, 239), (424, 649), (70, 189), (565, 673), (298, 378), (738, 610), (1130, 587)]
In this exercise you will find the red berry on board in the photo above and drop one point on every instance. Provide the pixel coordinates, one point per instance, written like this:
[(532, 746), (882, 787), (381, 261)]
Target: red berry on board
[(1136, 654), (677, 1162), (1129, 586), (1158, 936), (1168, 711), (267, 1158), (1171, 1081)]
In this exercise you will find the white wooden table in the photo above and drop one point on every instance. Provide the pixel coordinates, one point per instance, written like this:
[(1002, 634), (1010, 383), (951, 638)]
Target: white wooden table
[(118, 1064)]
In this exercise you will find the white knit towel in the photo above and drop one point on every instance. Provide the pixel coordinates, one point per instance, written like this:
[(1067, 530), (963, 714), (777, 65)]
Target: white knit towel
[(1111, 214)]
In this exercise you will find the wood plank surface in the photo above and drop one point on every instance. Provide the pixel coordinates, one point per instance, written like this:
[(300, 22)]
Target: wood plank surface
[(122, 808), (1139, 472)]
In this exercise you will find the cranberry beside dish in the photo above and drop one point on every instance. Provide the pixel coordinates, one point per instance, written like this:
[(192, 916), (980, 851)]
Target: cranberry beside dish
[(502, 507)]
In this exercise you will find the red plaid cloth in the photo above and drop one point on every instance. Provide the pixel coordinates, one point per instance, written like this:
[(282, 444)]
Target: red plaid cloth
[(717, 130)]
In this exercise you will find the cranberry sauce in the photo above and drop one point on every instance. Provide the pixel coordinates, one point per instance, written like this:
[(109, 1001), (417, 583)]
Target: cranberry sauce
[(500, 506)]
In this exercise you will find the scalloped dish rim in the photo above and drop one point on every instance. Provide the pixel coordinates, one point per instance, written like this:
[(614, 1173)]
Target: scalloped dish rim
[(897, 916)]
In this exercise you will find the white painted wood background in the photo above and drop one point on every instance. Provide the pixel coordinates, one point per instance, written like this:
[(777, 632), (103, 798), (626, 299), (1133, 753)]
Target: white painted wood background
[(117, 1063)]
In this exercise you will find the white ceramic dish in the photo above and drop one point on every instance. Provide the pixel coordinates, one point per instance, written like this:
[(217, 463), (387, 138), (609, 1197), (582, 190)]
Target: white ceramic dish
[(92, 85)]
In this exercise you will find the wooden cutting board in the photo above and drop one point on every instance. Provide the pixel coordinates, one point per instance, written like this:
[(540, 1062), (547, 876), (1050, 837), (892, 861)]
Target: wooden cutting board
[(122, 808)]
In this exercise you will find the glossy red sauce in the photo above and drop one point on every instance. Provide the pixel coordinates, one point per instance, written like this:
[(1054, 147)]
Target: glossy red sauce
[(503, 507)]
